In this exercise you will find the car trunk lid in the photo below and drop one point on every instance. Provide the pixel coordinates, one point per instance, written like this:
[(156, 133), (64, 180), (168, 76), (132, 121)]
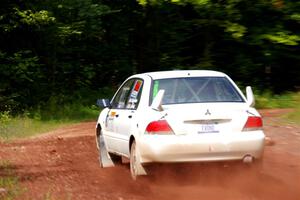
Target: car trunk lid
[(206, 118)]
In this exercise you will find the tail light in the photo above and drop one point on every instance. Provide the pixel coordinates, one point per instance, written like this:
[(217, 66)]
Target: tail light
[(253, 123), (159, 127)]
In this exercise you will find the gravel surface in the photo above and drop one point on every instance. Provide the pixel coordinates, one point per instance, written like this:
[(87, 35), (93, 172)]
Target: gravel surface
[(63, 164)]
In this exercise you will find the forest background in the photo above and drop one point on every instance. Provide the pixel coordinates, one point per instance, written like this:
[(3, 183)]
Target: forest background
[(58, 56)]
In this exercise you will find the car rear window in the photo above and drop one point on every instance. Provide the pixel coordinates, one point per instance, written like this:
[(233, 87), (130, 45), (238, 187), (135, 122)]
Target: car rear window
[(196, 90)]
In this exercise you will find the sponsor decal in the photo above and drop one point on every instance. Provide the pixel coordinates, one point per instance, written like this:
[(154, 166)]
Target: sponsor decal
[(155, 88), (112, 114)]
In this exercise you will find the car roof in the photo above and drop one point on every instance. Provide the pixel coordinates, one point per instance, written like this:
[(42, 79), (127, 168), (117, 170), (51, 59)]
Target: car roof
[(183, 73)]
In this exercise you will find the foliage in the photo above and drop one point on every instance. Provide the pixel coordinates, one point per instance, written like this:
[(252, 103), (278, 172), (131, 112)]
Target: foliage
[(68, 49), (34, 18), (283, 38), (20, 72)]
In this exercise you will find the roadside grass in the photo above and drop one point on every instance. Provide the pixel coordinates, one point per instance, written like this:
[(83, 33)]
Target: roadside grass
[(294, 117), (49, 196), (56, 112), (9, 182), (287, 100), (21, 127), (44, 120), (268, 100)]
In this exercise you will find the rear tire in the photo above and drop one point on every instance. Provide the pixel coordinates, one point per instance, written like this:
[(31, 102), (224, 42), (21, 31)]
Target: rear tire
[(136, 167)]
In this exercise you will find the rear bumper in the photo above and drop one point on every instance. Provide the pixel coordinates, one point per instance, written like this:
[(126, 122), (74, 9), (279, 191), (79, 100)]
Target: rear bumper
[(202, 147)]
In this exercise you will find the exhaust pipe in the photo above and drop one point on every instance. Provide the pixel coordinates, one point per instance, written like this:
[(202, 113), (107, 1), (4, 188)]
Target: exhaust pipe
[(248, 159)]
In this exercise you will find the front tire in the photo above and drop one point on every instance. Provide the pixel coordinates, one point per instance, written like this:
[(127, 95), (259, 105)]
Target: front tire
[(104, 158)]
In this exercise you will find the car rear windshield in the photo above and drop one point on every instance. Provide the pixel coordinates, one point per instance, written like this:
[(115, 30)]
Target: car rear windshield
[(196, 90)]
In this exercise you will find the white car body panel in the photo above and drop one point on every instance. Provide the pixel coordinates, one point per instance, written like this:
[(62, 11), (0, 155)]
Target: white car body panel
[(186, 144), (206, 147)]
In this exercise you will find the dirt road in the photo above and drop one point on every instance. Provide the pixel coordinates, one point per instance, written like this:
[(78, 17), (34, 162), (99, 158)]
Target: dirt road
[(64, 165)]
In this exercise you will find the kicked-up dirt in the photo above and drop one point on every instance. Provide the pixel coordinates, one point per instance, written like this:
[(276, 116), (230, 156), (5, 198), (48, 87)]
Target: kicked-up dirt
[(64, 165)]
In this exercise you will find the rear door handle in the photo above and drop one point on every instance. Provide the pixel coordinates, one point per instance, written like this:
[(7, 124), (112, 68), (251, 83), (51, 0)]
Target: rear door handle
[(129, 116)]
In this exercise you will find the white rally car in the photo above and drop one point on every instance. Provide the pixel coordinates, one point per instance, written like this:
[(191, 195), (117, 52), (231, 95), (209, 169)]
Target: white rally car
[(179, 116)]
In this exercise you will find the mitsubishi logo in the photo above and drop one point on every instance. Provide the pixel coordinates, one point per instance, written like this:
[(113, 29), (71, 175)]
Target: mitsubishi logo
[(207, 112)]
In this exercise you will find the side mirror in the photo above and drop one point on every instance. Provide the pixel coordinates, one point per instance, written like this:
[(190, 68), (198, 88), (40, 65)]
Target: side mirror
[(156, 103), (103, 103), (250, 96)]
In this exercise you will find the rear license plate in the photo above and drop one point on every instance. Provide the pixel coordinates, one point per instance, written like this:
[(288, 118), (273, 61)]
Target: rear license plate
[(208, 128)]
